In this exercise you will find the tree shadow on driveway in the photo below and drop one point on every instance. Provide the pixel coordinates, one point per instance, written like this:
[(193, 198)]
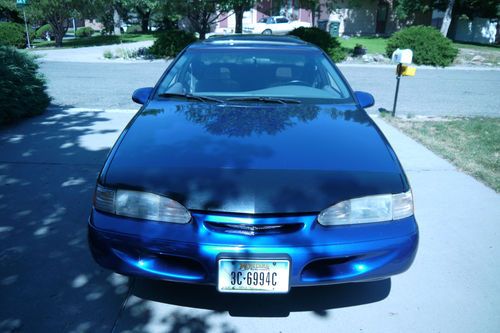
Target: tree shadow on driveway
[(48, 168)]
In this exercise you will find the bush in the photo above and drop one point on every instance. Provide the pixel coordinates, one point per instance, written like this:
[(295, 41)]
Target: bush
[(323, 40), (43, 31), (170, 43), (84, 32), (22, 89), (134, 29), (428, 45), (12, 34)]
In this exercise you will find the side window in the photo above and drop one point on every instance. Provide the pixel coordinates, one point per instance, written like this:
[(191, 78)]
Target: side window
[(334, 81), (270, 20), (173, 76), (281, 20)]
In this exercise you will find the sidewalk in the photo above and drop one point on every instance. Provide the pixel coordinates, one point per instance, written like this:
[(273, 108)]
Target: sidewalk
[(91, 54)]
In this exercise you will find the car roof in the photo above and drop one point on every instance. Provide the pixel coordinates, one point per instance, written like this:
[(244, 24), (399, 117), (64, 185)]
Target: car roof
[(253, 41)]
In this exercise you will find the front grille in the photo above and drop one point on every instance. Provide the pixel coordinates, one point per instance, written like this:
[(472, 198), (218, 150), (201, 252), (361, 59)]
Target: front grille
[(254, 229)]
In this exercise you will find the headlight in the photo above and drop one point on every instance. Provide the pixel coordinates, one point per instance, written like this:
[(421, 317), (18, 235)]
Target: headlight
[(141, 205), (376, 208)]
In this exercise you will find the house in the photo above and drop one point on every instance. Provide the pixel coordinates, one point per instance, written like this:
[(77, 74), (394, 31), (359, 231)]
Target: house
[(360, 17), (476, 30)]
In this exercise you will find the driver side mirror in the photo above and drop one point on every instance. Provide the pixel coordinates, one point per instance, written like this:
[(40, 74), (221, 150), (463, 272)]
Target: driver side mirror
[(141, 95), (365, 99)]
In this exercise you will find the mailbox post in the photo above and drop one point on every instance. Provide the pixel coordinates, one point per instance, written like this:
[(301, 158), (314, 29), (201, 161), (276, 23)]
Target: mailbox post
[(403, 59)]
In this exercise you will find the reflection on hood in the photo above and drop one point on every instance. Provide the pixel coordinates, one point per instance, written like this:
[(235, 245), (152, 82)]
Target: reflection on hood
[(261, 159), (235, 120)]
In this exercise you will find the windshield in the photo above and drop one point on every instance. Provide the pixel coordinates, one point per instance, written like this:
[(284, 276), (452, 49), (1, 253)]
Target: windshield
[(253, 72)]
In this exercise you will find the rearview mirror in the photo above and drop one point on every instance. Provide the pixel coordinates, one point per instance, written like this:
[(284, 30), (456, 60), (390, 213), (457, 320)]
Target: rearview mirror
[(141, 95), (365, 99)]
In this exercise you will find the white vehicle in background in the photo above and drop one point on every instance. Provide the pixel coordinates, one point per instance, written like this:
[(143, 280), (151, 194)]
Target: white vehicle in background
[(274, 25)]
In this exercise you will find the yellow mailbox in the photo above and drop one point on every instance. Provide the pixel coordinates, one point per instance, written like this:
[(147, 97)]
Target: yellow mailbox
[(408, 70)]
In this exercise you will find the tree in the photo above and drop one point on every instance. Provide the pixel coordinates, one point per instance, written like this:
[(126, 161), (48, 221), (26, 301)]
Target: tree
[(313, 6), (110, 14), (9, 12), (447, 18), (144, 9), (201, 14), (240, 6), (408, 10), (58, 14)]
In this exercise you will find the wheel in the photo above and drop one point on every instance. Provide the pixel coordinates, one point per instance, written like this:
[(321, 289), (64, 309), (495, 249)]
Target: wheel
[(267, 32)]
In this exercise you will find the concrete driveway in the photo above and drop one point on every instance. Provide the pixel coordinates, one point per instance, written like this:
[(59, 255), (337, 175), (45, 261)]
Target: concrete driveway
[(49, 283)]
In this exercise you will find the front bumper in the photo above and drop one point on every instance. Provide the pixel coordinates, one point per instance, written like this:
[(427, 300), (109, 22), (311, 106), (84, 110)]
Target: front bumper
[(190, 253)]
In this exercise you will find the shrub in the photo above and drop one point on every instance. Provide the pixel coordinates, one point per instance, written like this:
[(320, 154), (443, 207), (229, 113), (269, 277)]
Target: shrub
[(428, 45), (43, 31), (12, 34), (133, 29), (108, 54), (84, 32), (22, 89), (323, 40), (170, 43)]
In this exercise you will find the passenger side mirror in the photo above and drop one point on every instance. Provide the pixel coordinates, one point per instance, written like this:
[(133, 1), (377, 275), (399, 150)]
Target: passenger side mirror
[(365, 99), (141, 95)]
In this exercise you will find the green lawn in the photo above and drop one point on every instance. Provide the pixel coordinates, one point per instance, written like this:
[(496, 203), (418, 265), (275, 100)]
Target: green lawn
[(373, 44), (378, 44), (477, 47), (97, 40), (471, 144)]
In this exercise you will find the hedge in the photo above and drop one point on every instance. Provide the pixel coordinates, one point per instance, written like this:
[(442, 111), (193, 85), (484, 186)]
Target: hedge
[(22, 88), (427, 43), (323, 40), (170, 43), (12, 34), (42, 32), (84, 32)]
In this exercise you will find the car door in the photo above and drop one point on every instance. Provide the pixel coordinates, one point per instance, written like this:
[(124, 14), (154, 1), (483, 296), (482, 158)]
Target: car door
[(282, 26)]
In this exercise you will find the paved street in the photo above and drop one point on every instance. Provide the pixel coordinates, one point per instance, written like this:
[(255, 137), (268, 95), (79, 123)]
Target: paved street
[(432, 92), (49, 283)]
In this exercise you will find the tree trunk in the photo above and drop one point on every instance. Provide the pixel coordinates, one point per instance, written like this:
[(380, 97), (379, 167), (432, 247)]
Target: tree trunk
[(318, 15), (447, 18), (116, 23), (59, 30), (238, 13), (144, 15), (313, 15), (203, 32), (58, 39)]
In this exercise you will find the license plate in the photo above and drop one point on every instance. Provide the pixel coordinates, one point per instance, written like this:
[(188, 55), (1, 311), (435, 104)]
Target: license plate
[(254, 276)]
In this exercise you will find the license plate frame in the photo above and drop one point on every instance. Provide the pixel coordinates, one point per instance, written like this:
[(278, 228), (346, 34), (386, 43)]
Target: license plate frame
[(281, 267)]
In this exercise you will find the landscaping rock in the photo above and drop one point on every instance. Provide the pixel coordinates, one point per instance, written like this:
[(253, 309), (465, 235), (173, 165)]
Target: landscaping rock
[(379, 58), (367, 58), (478, 58)]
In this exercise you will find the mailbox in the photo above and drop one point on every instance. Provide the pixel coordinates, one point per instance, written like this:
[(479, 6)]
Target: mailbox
[(402, 56)]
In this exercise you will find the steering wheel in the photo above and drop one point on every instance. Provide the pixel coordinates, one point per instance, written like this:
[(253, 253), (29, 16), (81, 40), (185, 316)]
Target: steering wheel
[(293, 83)]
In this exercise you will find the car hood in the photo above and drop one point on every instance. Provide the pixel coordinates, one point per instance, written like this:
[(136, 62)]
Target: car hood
[(259, 159)]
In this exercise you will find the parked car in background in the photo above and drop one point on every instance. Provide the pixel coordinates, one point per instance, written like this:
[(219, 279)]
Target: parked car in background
[(274, 25), (253, 166)]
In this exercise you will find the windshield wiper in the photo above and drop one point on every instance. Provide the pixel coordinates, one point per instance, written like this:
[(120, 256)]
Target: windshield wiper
[(192, 97), (265, 99)]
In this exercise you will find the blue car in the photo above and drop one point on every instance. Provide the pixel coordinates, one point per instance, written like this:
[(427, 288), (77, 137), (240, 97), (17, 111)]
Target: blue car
[(252, 166)]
